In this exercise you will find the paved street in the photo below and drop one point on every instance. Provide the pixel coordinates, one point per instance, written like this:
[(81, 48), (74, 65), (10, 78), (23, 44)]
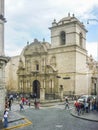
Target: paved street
[(54, 118)]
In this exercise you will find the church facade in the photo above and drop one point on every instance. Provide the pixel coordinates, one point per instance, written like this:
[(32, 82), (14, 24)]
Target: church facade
[(57, 69)]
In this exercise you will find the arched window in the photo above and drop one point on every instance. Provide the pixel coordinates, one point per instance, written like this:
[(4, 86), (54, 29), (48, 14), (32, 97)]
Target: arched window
[(63, 38), (37, 66), (81, 39)]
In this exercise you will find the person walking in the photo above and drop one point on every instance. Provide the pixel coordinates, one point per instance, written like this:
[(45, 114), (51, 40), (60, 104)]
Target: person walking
[(21, 106), (6, 118), (66, 103)]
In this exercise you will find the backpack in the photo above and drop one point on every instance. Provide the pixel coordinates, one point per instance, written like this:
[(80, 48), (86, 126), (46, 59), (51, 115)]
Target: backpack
[(4, 112)]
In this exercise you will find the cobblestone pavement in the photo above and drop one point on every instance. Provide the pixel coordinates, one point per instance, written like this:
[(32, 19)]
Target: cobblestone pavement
[(56, 118), (30, 119), (16, 119)]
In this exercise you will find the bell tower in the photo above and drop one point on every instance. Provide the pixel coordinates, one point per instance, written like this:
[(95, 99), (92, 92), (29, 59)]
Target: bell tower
[(68, 31), (68, 39)]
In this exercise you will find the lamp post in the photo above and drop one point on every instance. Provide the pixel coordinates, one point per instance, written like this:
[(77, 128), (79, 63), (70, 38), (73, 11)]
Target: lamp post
[(92, 20)]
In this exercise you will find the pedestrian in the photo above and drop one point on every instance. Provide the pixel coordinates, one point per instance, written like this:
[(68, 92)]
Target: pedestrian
[(87, 107), (66, 103), (6, 118), (97, 106), (78, 107), (88, 101), (29, 103), (35, 104), (11, 97), (21, 106), (23, 100), (38, 104), (82, 108), (10, 104), (6, 103), (26, 101)]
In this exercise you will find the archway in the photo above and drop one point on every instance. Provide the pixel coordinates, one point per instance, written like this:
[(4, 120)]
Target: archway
[(36, 88)]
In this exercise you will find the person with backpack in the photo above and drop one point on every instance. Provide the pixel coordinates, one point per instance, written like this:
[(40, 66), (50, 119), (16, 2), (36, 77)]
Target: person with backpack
[(77, 107)]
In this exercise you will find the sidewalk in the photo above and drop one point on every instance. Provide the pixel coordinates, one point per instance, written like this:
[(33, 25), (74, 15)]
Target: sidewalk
[(91, 116), (13, 120)]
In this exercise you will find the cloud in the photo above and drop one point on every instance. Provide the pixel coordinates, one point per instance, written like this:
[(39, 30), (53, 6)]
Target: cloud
[(13, 49), (27, 20), (92, 48)]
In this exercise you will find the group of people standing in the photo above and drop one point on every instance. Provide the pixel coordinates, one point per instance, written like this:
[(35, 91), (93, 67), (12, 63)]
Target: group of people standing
[(26, 101), (85, 106)]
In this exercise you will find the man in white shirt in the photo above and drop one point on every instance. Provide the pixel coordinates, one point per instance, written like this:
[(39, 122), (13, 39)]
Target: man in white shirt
[(6, 118)]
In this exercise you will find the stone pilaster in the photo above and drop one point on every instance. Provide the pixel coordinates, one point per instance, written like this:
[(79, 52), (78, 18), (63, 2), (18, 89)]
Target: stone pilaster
[(42, 94)]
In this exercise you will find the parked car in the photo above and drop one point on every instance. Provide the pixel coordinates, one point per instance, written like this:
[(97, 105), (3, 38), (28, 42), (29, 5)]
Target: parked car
[(85, 97)]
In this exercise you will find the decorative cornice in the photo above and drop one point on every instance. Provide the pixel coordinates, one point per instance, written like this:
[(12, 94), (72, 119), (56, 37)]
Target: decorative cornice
[(4, 58)]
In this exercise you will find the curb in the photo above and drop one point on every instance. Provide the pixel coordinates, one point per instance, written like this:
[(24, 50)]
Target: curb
[(83, 118), (16, 120)]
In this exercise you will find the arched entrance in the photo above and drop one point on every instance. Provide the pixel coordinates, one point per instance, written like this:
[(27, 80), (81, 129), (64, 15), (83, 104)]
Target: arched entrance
[(36, 88)]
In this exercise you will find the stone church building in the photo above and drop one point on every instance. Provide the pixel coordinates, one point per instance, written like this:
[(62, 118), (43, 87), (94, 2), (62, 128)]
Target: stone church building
[(57, 69)]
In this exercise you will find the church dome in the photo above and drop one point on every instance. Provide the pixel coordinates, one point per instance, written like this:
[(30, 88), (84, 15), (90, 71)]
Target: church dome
[(68, 19), (36, 47)]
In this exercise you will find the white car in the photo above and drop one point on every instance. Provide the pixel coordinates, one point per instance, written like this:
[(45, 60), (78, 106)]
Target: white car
[(85, 97)]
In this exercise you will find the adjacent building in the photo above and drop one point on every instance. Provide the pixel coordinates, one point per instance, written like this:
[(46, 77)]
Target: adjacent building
[(62, 67)]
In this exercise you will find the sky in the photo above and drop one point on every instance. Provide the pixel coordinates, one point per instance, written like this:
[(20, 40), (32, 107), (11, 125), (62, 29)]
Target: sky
[(30, 19)]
